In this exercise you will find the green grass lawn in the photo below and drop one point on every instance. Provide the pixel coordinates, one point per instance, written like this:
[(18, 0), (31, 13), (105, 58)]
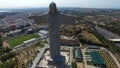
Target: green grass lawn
[(40, 44), (86, 53), (14, 41), (89, 63)]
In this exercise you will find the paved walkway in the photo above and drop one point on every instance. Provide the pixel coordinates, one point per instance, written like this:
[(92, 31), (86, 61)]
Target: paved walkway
[(84, 59), (39, 55), (116, 61), (71, 54), (114, 58)]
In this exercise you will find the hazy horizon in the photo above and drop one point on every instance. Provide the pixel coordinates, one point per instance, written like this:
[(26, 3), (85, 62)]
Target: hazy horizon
[(114, 4)]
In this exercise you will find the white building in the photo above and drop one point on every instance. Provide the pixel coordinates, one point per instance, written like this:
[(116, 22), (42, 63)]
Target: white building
[(24, 44), (29, 41), (43, 34), (15, 32)]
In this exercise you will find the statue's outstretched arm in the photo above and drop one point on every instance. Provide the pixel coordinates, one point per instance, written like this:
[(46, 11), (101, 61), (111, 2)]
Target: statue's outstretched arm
[(65, 19), (39, 19)]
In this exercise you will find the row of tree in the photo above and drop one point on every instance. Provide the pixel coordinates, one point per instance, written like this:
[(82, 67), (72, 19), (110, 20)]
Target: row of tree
[(9, 64), (3, 49), (7, 56), (1, 41)]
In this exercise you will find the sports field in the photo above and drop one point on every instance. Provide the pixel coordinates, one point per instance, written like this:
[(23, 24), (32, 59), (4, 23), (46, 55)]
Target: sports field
[(14, 41)]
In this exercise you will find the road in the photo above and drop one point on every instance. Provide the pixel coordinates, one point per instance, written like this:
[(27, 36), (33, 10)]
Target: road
[(39, 55), (107, 34)]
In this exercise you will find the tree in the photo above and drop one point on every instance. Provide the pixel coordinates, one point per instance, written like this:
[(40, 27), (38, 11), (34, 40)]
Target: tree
[(7, 49), (1, 41), (9, 64), (7, 56), (74, 65)]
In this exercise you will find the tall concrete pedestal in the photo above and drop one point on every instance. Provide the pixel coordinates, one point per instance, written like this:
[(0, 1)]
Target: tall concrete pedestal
[(57, 62)]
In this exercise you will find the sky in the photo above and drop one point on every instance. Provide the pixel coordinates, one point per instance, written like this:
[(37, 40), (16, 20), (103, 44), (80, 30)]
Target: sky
[(60, 3)]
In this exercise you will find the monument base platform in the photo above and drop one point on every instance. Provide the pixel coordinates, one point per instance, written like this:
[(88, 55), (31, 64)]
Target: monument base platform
[(57, 62), (62, 61)]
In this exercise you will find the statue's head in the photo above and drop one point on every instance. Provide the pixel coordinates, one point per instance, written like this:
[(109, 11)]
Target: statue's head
[(53, 8)]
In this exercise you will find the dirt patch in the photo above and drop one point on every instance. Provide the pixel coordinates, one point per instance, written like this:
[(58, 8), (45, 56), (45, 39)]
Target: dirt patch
[(90, 36), (5, 44)]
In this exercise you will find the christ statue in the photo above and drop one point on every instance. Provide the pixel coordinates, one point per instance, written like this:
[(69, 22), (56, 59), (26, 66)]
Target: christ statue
[(54, 19)]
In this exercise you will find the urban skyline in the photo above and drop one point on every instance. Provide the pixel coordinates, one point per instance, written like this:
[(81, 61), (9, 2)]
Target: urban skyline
[(61, 3)]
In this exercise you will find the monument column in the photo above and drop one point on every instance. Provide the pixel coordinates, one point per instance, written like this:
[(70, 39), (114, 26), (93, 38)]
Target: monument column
[(54, 36)]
